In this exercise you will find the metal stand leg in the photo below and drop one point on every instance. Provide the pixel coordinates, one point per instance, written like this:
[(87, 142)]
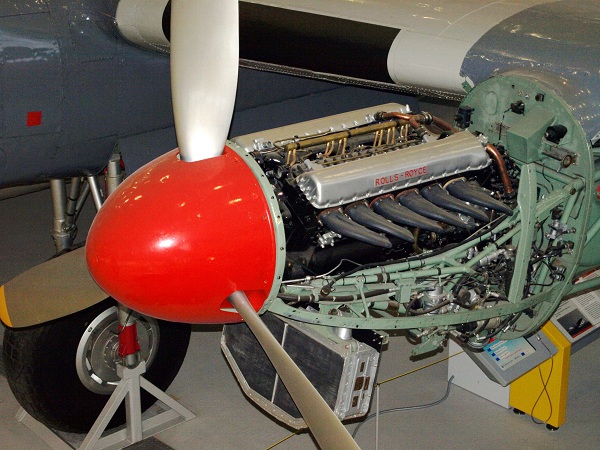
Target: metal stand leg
[(137, 429), (53, 440), (128, 389)]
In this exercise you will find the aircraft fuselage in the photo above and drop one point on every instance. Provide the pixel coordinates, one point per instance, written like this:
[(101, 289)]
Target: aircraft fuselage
[(70, 87)]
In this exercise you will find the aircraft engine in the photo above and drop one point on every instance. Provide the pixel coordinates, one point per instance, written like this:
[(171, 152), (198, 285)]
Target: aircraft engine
[(376, 219), (379, 191)]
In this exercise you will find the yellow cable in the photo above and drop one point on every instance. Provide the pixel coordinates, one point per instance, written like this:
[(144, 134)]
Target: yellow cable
[(378, 384), (283, 440), (420, 368)]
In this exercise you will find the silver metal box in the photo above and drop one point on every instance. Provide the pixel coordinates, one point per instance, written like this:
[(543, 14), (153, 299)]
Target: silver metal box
[(342, 371)]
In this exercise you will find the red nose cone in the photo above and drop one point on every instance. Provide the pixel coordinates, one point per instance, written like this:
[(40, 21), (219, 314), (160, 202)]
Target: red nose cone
[(177, 238)]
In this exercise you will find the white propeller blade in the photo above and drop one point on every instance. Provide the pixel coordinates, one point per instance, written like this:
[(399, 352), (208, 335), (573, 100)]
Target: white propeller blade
[(204, 71)]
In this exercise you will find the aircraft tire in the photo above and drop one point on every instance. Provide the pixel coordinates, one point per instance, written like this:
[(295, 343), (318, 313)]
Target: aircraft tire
[(44, 377)]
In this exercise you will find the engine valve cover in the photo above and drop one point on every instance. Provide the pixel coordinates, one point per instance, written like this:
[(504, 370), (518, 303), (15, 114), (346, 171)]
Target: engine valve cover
[(327, 186)]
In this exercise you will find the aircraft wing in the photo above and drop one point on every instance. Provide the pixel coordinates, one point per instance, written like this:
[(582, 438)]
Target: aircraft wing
[(440, 48)]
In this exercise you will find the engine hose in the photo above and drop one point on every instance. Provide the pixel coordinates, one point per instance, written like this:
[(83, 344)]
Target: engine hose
[(459, 284)]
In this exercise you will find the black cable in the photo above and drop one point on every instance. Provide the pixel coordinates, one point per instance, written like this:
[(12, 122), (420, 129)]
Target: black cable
[(420, 312), (298, 299), (405, 408)]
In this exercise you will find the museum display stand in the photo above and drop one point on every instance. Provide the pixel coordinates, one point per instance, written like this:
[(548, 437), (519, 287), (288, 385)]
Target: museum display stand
[(128, 390)]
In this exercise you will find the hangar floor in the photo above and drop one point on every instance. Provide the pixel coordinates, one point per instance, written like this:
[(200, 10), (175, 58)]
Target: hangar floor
[(227, 420)]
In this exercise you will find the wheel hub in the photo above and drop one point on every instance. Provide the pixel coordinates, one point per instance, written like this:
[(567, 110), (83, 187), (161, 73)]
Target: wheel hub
[(97, 354)]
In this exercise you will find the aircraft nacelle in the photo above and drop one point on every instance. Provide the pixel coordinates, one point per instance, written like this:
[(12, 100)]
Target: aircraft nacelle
[(375, 223)]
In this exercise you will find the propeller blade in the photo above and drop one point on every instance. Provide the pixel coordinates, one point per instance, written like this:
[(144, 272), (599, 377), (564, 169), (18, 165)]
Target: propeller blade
[(53, 289), (204, 71), (323, 423)]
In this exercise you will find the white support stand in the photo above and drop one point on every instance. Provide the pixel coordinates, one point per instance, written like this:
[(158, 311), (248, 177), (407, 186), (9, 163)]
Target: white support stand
[(137, 429)]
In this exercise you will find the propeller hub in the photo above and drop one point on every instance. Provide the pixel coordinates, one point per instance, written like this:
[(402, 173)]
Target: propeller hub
[(177, 238)]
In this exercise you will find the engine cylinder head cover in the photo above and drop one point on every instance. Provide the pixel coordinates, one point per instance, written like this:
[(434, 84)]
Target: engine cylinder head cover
[(332, 185)]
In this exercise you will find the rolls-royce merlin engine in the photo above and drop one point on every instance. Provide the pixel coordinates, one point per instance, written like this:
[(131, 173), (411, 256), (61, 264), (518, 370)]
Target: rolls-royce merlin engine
[(400, 220), (379, 219), (384, 188)]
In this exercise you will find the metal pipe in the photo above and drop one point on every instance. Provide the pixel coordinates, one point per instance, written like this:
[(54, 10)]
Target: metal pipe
[(440, 197), (444, 125), (592, 231), (324, 139), (459, 188), (336, 221), (82, 198), (72, 200), (362, 214), (584, 286), (414, 201), (495, 154), (387, 207), (96, 195), (114, 174), (414, 120), (62, 238)]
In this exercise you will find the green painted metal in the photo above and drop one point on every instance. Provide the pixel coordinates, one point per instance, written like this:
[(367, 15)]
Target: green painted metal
[(526, 201), (549, 232)]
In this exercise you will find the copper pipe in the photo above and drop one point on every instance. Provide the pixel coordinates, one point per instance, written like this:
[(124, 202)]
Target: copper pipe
[(416, 120), (412, 119), (496, 156), (444, 125)]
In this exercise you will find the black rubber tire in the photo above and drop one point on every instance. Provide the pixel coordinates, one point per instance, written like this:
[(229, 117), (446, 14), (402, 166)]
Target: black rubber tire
[(41, 371)]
